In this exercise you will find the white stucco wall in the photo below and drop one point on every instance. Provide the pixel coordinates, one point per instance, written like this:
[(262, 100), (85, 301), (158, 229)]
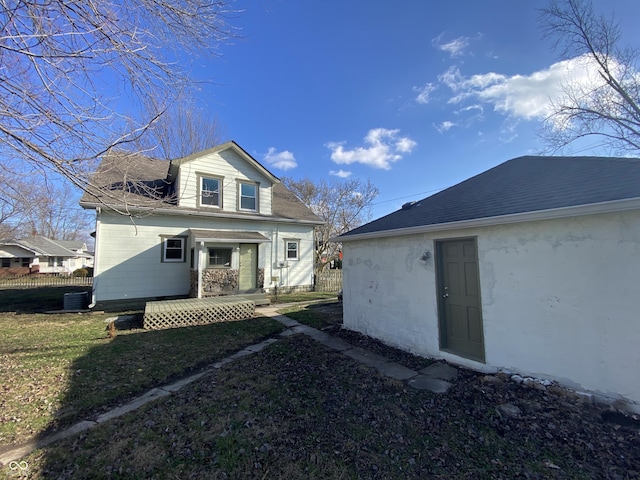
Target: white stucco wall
[(128, 257), (559, 298)]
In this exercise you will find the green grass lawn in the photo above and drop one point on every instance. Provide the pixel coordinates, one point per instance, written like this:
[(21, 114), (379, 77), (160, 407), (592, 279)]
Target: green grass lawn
[(58, 369), (294, 410), (302, 297)]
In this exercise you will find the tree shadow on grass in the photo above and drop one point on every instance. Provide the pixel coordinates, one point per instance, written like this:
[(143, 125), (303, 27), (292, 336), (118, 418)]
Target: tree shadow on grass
[(115, 371), (35, 300)]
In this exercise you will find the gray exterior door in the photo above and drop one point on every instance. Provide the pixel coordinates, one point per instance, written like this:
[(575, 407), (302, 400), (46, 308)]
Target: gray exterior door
[(248, 271), (460, 307)]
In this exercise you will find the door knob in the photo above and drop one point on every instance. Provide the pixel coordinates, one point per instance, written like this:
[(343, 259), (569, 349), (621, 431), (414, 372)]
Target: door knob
[(446, 292)]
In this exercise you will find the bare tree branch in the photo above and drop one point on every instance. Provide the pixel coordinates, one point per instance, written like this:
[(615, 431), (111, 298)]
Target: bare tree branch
[(343, 206), (79, 78), (610, 107)]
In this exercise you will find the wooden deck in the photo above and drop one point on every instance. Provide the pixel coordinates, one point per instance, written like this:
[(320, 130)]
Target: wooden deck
[(200, 311)]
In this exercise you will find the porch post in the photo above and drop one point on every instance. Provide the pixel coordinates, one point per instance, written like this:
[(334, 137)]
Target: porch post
[(200, 248)]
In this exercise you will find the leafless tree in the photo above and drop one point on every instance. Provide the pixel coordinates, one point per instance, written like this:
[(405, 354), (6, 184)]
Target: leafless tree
[(47, 209), (182, 130), (343, 205), (77, 76), (54, 212), (610, 107)]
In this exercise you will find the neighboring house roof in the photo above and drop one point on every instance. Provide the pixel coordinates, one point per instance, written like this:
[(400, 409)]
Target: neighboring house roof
[(74, 245), (139, 181), (42, 246), (514, 191)]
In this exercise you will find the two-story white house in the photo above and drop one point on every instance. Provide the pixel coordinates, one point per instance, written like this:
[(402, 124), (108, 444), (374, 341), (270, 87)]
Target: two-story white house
[(216, 222)]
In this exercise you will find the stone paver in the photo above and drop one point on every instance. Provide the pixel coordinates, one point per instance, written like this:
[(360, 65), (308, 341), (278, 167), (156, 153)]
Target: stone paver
[(336, 343), (424, 382), (397, 371), (441, 371), (365, 356)]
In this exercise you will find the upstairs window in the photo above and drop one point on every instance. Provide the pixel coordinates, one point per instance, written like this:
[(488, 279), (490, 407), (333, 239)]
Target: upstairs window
[(210, 192), (248, 196), (293, 249), (173, 249)]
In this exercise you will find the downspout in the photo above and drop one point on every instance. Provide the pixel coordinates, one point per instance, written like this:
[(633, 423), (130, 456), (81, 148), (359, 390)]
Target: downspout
[(200, 247), (276, 263), (95, 260)]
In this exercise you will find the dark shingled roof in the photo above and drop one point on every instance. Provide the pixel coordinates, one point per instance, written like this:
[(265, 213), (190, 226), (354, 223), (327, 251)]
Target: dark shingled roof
[(524, 184), (147, 186), (129, 178)]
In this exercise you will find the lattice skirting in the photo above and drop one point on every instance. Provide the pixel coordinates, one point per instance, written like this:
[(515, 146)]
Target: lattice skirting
[(185, 313)]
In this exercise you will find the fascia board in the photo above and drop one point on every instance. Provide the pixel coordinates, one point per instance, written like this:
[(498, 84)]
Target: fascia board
[(195, 213)]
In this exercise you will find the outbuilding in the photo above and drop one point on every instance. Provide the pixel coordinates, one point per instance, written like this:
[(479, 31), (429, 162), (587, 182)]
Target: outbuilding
[(531, 267)]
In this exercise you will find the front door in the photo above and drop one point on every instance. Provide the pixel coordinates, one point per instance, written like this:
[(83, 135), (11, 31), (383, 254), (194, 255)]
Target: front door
[(248, 271), (460, 311)]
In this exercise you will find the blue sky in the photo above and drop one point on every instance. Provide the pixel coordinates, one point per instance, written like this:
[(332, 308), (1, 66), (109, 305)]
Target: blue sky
[(414, 95)]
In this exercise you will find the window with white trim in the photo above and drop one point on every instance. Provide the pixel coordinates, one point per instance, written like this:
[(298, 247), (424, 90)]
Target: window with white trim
[(248, 193), (293, 249), (173, 249), (220, 258), (210, 192)]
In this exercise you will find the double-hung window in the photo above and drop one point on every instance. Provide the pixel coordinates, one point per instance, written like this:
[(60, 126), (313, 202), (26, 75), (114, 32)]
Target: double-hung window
[(173, 249), (248, 196), (210, 192), (293, 249)]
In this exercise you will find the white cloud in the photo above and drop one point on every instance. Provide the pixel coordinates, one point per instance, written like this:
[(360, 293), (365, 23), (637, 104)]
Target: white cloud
[(340, 173), (523, 96), (382, 148), (424, 92), (454, 47), (282, 160), (445, 126)]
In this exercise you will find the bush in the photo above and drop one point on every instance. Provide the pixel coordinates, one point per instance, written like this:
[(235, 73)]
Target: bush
[(80, 272)]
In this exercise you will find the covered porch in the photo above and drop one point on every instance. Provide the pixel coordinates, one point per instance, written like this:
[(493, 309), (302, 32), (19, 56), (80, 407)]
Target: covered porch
[(201, 311), (226, 262)]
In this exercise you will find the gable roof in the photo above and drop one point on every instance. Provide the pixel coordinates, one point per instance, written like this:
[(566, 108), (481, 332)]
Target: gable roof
[(231, 145), (42, 246), (514, 191), (139, 181)]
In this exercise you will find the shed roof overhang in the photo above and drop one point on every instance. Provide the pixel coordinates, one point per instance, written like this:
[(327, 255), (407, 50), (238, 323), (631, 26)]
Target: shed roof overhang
[(227, 236), (563, 212)]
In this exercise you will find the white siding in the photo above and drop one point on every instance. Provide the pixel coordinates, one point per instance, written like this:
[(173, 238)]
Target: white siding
[(559, 298), (231, 167), (129, 258)]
